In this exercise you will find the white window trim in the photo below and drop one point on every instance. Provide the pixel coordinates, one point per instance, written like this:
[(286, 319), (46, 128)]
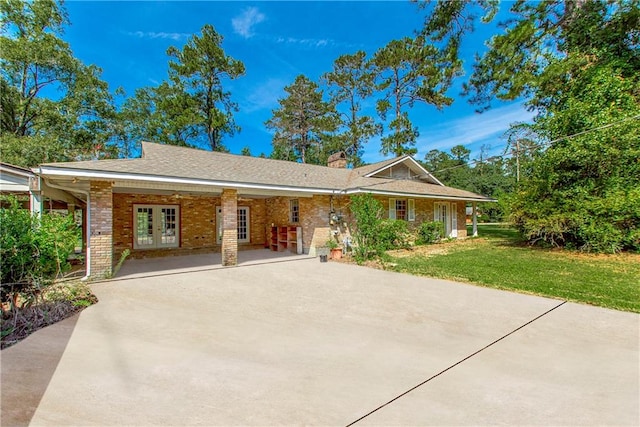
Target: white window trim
[(219, 225), (157, 238), (411, 209), (248, 239)]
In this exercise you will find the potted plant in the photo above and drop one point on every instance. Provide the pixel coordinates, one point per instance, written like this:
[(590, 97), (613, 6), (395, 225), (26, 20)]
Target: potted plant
[(334, 249)]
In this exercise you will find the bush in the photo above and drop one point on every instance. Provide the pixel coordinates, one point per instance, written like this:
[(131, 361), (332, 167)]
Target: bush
[(33, 250), (429, 232), (392, 234), (367, 213)]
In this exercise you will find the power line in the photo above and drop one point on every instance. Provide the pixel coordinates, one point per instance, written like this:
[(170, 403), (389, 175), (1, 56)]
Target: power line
[(542, 144)]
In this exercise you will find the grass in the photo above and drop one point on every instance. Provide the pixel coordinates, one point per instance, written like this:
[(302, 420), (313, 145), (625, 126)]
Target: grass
[(497, 259)]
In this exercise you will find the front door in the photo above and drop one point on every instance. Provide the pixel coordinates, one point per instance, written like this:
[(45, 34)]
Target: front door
[(243, 224), (446, 213), (156, 226)]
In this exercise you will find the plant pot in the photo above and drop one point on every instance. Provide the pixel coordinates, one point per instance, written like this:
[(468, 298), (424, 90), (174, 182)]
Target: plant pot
[(336, 253), (323, 258)]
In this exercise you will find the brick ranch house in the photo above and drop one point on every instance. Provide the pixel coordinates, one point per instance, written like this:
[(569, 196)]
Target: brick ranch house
[(175, 200)]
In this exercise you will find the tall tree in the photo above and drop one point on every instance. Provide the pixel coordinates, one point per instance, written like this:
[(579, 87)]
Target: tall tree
[(53, 106), (578, 65), (409, 71), (200, 68), (302, 123), (350, 82)]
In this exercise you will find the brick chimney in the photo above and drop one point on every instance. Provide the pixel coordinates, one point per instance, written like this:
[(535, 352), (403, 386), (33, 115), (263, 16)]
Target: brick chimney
[(337, 160)]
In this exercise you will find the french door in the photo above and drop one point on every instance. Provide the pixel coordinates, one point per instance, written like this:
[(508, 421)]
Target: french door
[(156, 226), (446, 213), (244, 222)]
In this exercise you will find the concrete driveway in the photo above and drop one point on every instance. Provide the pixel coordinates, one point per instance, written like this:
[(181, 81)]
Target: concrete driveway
[(308, 343)]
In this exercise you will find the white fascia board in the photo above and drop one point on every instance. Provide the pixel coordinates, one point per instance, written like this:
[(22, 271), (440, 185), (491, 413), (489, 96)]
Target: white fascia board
[(76, 173), (401, 160), (15, 171), (419, 195)]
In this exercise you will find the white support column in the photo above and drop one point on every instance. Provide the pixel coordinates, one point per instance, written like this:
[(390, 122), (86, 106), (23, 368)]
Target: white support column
[(35, 196), (474, 216)]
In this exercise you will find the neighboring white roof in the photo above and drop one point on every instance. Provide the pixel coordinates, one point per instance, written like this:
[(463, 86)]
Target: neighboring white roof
[(14, 179)]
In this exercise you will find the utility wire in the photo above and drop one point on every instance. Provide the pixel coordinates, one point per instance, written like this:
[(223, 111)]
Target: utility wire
[(541, 144)]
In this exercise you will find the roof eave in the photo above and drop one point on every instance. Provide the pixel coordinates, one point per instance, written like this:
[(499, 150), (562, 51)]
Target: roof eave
[(479, 198), (106, 175)]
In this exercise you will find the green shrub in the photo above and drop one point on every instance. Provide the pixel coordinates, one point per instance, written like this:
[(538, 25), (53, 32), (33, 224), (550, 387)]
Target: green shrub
[(392, 234), (33, 250), (367, 213), (429, 232)]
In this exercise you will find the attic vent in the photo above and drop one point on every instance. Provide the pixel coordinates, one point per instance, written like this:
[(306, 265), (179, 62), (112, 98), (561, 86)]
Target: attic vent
[(337, 160)]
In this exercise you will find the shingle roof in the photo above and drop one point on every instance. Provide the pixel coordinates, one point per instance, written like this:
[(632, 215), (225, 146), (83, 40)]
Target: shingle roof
[(180, 162)]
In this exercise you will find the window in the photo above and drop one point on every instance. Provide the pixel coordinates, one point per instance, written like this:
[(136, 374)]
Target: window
[(243, 224), (156, 226), (294, 211), (402, 209)]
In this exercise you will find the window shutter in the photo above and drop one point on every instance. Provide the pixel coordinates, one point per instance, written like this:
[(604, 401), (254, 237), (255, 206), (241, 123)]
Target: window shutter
[(392, 208), (454, 220), (411, 206)]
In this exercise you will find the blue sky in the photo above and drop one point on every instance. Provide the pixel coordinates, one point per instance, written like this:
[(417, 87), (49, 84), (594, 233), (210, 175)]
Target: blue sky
[(276, 41)]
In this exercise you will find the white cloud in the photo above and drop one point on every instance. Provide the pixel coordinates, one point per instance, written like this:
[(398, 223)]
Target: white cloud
[(243, 24), (471, 131), (305, 42), (265, 96), (474, 130), (159, 35)]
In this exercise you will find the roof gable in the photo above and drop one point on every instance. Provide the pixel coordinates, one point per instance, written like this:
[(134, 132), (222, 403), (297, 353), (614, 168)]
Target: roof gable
[(406, 167)]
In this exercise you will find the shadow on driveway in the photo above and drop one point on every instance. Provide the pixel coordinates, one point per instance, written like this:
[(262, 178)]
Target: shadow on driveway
[(27, 369)]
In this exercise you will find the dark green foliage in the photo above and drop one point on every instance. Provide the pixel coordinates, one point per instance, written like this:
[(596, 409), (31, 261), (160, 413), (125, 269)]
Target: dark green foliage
[(578, 65), (429, 232), (33, 252), (191, 108), (367, 213), (350, 82), (303, 124), (53, 107), (407, 71), (392, 234)]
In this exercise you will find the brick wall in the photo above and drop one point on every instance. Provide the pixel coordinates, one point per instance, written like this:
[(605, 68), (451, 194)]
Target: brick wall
[(197, 224), (424, 212), (101, 231), (229, 227), (314, 218)]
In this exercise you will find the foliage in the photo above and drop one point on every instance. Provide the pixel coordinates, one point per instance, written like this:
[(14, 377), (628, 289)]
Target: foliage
[(392, 234), (33, 251), (51, 102), (350, 82), (578, 66), (429, 232), (407, 71), (602, 280), (191, 108), (367, 213), (302, 123), (57, 302)]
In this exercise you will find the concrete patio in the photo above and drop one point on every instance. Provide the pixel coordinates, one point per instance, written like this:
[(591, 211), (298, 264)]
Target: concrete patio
[(301, 342), (135, 268)]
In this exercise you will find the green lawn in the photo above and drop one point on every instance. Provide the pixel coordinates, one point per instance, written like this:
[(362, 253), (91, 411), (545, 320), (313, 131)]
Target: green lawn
[(497, 259)]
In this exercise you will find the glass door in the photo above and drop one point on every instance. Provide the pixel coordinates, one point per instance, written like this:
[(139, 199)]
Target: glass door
[(156, 226)]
